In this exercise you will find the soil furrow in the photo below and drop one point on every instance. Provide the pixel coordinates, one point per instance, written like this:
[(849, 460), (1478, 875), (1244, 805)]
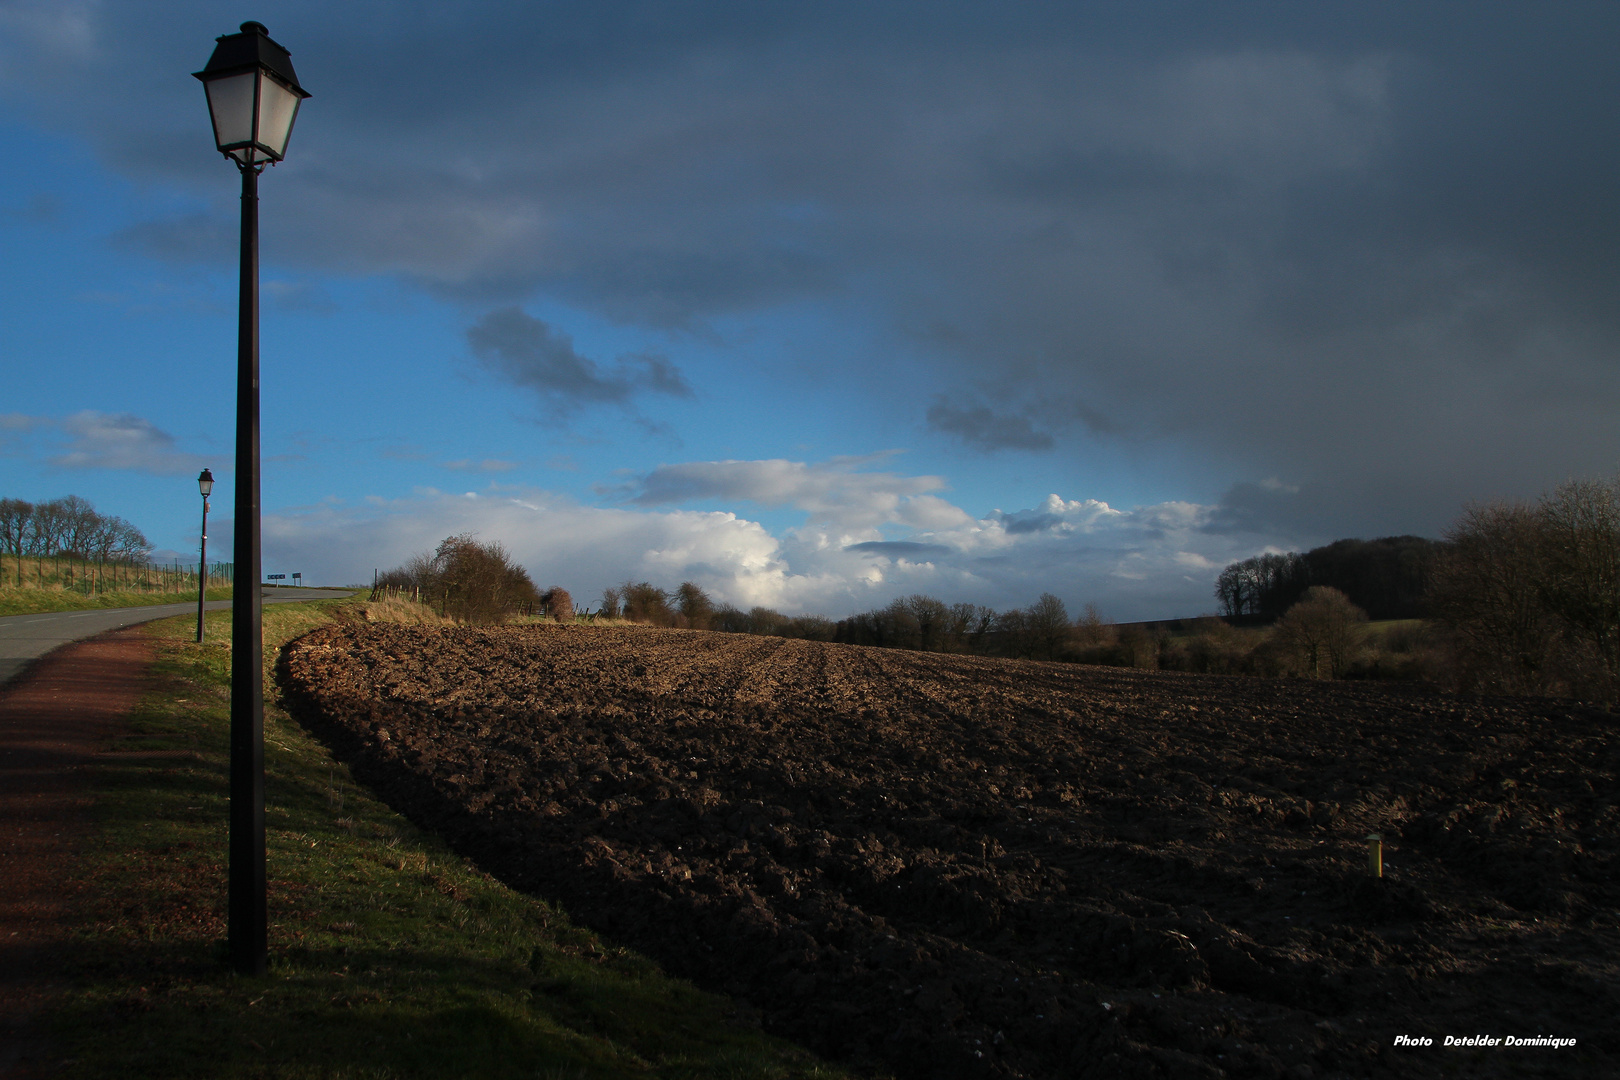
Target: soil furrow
[(958, 866)]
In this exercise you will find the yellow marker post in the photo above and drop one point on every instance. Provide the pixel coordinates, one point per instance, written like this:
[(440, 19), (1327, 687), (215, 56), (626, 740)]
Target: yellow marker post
[(1375, 855)]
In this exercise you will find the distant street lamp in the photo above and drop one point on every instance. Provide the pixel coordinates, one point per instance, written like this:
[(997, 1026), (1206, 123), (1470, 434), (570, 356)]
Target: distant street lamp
[(205, 484), (253, 98)]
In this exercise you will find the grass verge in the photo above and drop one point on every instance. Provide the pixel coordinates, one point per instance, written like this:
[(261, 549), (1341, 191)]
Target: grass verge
[(36, 601), (390, 956)]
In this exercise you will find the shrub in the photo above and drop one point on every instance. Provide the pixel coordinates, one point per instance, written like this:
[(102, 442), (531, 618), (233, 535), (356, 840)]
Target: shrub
[(466, 580), (1047, 624), (646, 603), (1217, 648), (695, 606), (1135, 646), (1321, 632), (1530, 596), (557, 604)]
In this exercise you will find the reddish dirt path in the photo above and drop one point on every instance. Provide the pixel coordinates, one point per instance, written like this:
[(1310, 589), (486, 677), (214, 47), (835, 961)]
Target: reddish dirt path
[(54, 721)]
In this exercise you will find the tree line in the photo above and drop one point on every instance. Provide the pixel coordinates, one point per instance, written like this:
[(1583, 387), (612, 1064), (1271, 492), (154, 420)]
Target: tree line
[(1522, 598), (1042, 631), (690, 607), (1515, 598), (68, 527), (1388, 578)]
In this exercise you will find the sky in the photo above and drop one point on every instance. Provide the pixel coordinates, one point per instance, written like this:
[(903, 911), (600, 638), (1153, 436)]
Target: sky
[(821, 304)]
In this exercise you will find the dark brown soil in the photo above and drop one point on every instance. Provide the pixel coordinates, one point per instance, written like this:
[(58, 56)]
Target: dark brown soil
[(954, 866)]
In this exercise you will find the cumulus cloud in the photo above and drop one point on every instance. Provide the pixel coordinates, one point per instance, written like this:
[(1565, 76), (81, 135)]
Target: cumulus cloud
[(560, 542), (1156, 561), (529, 352)]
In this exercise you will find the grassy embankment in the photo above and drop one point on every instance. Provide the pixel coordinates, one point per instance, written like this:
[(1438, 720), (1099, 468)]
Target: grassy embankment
[(390, 956), (15, 601), (33, 586)]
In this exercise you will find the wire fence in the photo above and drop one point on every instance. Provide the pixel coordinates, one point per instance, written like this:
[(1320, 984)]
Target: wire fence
[(69, 573)]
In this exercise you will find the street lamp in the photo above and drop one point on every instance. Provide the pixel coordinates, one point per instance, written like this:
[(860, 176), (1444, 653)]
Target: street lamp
[(205, 484), (253, 98)]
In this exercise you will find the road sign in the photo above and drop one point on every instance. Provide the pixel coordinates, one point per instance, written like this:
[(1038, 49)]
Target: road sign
[(276, 577)]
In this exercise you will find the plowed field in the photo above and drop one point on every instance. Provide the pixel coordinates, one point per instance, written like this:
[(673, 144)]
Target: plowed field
[(955, 866)]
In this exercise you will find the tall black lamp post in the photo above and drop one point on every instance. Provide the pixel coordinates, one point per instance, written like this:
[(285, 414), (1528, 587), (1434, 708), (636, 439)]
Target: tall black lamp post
[(253, 97), (205, 484)]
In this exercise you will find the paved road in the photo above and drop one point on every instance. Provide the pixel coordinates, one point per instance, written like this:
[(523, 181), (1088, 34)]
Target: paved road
[(25, 638)]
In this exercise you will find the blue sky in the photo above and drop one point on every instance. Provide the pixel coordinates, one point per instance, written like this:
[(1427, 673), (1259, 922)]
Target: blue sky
[(822, 304)]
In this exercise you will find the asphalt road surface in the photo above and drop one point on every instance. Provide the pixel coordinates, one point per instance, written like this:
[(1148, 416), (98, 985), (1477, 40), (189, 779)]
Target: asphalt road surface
[(25, 638)]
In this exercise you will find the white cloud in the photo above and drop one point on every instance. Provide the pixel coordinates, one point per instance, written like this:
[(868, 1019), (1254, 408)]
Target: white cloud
[(122, 441), (1149, 562), (97, 440), (560, 542), (832, 492)]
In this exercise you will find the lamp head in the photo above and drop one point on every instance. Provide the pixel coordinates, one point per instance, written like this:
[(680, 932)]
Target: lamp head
[(205, 483), (253, 96)]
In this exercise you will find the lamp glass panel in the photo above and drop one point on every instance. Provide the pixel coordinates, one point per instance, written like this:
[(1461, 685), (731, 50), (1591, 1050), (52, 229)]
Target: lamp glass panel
[(230, 103), (278, 107)]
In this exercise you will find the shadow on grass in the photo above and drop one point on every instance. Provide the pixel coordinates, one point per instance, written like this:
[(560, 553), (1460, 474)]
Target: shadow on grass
[(390, 956), (176, 1012)]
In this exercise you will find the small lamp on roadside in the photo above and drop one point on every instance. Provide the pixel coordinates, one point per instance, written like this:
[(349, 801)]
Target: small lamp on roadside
[(205, 484)]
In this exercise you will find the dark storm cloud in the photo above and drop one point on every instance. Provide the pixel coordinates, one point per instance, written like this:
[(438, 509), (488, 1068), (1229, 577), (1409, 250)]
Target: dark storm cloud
[(987, 430), (530, 353), (1367, 249)]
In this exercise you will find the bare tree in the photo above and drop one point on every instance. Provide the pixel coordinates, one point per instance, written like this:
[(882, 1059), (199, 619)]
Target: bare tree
[(14, 518), (1234, 589), (128, 542), (478, 582), (1489, 592), (971, 625), (646, 603), (610, 603), (467, 580), (695, 606), (932, 619), (1322, 629), (1091, 629), (79, 526), (1048, 627), (1580, 574), (45, 526), (1012, 633)]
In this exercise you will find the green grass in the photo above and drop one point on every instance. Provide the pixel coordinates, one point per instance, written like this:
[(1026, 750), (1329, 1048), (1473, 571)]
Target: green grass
[(389, 955), (32, 601)]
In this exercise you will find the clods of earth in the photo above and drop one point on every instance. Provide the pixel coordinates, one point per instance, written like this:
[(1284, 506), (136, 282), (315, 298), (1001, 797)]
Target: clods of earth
[(941, 866)]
